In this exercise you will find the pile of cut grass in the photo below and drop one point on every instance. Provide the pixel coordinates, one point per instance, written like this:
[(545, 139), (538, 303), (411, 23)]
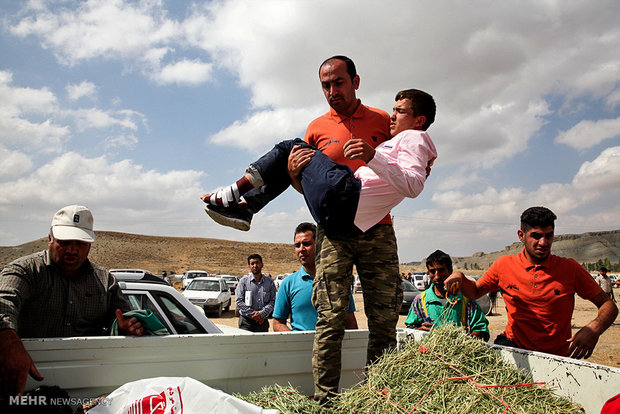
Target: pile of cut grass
[(445, 372)]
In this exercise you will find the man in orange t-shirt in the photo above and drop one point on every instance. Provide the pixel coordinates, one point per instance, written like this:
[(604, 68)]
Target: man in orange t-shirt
[(373, 252), (539, 292)]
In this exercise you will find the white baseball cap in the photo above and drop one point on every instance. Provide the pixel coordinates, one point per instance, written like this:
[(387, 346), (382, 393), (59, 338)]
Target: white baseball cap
[(73, 223)]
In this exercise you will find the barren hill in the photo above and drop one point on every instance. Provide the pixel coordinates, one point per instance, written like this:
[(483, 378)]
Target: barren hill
[(174, 254), (178, 254), (584, 248)]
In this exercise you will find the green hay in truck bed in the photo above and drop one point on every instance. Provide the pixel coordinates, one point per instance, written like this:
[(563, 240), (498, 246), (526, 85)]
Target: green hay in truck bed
[(437, 375)]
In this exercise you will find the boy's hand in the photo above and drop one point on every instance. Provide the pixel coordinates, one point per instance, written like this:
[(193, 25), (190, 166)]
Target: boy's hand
[(358, 149)]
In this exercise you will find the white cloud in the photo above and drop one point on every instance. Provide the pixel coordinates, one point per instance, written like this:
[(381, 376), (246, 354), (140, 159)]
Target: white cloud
[(600, 175), (83, 89), (97, 28), (34, 121), (263, 129), (26, 116), (13, 164), (587, 134), (98, 118), (190, 72), (121, 141), (95, 180)]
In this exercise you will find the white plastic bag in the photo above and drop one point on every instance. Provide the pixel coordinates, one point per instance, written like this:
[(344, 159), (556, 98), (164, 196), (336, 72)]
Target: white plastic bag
[(173, 395)]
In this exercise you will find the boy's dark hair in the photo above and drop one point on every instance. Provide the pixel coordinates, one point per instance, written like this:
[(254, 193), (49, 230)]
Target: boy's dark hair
[(422, 104), (304, 227), (255, 256), (350, 65), (537, 217), (440, 257)]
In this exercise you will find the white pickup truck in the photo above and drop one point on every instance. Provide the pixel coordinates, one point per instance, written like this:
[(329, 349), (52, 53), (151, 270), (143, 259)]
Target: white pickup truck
[(238, 361)]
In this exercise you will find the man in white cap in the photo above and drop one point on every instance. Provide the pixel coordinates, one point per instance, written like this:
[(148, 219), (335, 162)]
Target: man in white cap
[(57, 292)]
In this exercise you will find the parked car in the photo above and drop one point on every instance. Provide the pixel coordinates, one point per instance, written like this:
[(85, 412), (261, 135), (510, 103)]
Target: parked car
[(409, 294), (169, 306), (136, 275), (357, 285), (191, 274), (210, 294), (231, 281), (418, 280), (279, 279)]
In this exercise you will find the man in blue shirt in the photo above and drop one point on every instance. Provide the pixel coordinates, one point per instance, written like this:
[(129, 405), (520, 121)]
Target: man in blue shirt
[(295, 293), (255, 296)]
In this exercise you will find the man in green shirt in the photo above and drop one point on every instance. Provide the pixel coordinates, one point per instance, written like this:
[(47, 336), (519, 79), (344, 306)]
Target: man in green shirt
[(434, 307)]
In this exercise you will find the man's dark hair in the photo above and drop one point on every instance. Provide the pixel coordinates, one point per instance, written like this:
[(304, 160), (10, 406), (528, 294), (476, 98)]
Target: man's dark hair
[(304, 227), (350, 65), (422, 104), (441, 258), (602, 269), (537, 217), (255, 256)]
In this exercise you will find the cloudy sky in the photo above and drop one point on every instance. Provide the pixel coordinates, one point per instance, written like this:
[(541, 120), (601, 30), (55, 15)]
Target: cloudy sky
[(134, 108)]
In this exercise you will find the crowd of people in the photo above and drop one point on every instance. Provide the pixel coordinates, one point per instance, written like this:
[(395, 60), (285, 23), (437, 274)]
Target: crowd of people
[(353, 166)]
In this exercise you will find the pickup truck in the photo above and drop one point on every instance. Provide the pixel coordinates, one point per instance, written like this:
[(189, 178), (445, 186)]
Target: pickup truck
[(238, 361)]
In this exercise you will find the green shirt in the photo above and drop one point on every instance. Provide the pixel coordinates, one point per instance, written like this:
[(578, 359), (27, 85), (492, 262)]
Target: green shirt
[(464, 313)]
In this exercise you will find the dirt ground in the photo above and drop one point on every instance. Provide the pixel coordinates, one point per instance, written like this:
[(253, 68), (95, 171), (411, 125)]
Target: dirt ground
[(607, 351)]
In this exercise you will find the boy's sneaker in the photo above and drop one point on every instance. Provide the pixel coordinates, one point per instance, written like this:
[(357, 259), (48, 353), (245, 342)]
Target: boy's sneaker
[(238, 217)]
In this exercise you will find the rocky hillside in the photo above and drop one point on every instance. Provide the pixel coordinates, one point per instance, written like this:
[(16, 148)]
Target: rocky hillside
[(585, 248), (178, 254)]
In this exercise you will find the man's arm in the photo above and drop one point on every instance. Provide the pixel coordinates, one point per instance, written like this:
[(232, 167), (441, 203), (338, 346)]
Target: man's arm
[(279, 325), (268, 308), (583, 342), (457, 281), (404, 166), (15, 364), (297, 159), (243, 309)]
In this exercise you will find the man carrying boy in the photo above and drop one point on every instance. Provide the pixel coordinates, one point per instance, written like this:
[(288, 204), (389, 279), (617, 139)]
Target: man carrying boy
[(347, 207)]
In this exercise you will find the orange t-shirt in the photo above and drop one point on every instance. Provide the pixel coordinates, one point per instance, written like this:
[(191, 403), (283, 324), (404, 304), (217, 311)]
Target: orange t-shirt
[(330, 131), (539, 298)]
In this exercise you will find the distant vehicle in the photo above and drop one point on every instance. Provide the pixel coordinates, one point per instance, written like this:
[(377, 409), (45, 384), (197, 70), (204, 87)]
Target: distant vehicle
[(418, 280), (210, 294), (169, 306), (136, 275), (231, 281), (191, 274), (409, 294), (279, 279), (357, 285), (484, 301)]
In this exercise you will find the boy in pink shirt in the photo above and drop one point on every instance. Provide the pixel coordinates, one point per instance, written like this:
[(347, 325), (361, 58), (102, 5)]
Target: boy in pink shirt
[(340, 200)]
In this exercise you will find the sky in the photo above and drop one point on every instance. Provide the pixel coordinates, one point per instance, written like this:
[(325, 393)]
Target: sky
[(135, 108)]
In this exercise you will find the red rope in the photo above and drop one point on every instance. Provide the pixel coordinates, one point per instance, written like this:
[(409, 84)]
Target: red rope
[(483, 387)]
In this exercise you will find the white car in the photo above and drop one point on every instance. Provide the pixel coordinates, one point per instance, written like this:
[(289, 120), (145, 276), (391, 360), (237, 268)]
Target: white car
[(231, 281), (211, 294), (279, 280), (169, 306), (357, 285), (191, 274), (418, 281)]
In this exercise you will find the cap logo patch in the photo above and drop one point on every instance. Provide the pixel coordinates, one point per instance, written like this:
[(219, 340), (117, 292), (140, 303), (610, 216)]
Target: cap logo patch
[(76, 218)]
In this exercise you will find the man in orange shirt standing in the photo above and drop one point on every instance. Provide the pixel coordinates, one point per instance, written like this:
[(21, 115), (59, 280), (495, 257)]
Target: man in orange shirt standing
[(539, 292), (373, 252)]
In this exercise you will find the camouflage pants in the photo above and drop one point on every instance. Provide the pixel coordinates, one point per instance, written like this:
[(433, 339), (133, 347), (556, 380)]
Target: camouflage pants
[(375, 257)]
